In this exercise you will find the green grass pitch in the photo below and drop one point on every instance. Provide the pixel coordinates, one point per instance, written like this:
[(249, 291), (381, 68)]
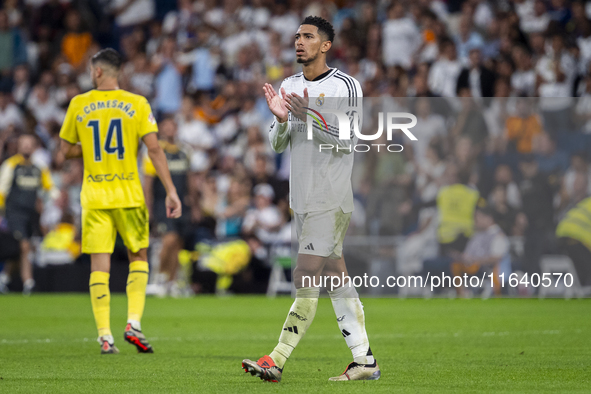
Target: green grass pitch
[(47, 344)]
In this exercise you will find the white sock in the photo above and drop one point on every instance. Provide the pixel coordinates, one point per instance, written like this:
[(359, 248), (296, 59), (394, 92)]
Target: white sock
[(298, 320), (4, 278), (351, 320), (161, 278), (135, 324)]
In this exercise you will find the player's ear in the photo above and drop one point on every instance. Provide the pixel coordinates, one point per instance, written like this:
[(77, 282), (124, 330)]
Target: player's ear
[(326, 45)]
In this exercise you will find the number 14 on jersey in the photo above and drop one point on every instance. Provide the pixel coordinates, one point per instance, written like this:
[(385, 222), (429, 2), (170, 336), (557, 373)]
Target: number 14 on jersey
[(114, 129)]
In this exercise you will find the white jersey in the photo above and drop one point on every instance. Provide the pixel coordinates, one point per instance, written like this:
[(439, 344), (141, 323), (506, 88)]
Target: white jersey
[(320, 180)]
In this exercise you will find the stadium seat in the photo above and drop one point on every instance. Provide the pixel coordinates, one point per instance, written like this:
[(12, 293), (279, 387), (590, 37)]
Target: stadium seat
[(280, 257)]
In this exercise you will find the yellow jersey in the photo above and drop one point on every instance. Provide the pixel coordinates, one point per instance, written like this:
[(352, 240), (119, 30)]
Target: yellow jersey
[(456, 204), (577, 223), (109, 124)]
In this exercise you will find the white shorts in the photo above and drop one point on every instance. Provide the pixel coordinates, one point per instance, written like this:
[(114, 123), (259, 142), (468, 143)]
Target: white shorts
[(322, 233)]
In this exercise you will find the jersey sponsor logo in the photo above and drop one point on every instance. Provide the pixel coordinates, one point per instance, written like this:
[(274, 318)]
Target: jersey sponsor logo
[(27, 177), (178, 166), (151, 118), (309, 247), (28, 182), (110, 177)]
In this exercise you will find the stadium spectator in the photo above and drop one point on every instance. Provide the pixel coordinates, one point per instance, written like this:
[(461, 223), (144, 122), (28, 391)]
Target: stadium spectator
[(400, 37), (429, 126), (131, 13), (168, 88), (523, 79), (537, 192), (555, 75), (76, 41), (455, 203), (231, 210), (487, 250), (10, 114), (43, 107), (479, 79), (467, 39), (523, 127), (578, 165), (390, 177), (443, 74), (137, 77), (504, 177), (551, 160), (470, 122), (12, 46), (205, 61), (575, 238), (21, 84), (20, 181), (173, 232), (536, 20), (508, 218), (263, 220), (192, 131)]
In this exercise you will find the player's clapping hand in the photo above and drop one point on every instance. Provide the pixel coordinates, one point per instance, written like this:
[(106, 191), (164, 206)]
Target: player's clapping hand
[(277, 105), (298, 104), (173, 206)]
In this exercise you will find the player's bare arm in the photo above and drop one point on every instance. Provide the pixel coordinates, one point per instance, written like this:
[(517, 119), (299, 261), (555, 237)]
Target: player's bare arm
[(148, 185), (156, 154), (70, 151)]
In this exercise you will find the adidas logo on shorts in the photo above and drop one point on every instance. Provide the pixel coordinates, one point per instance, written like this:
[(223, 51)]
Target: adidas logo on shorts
[(309, 247)]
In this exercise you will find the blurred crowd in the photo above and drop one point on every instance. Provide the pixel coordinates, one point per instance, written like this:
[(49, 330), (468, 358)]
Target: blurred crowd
[(507, 105)]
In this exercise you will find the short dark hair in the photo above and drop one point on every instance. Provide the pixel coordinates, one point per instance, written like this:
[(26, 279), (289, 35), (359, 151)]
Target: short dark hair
[(107, 56), (324, 26)]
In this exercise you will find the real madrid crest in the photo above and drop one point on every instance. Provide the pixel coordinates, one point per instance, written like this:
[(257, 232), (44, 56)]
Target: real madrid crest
[(320, 100)]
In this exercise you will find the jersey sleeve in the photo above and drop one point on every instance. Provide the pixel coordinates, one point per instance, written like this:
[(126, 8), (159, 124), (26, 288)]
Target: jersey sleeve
[(148, 167), (147, 120), (68, 131), (48, 185), (279, 134), (6, 176)]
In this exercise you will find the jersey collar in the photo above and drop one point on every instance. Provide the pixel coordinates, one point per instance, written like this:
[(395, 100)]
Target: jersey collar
[(321, 77)]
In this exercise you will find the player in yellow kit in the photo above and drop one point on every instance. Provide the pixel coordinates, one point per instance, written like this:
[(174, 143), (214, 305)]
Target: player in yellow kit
[(104, 127)]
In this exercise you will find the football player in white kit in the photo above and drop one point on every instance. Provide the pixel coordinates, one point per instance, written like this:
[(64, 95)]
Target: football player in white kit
[(322, 200)]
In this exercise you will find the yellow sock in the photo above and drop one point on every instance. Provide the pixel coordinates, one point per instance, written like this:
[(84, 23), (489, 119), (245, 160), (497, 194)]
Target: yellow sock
[(100, 297), (136, 290)]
